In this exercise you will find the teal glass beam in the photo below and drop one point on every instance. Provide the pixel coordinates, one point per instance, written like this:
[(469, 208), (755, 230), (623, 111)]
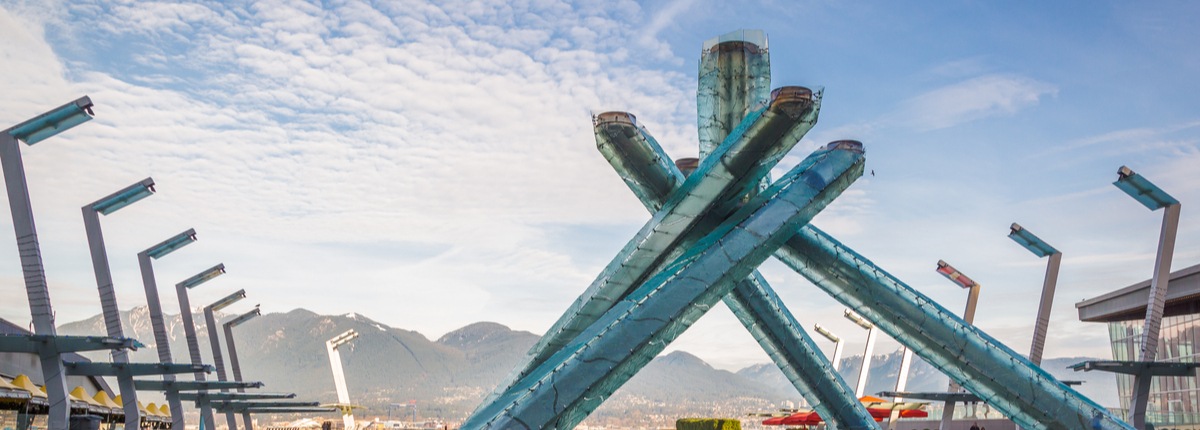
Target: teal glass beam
[(735, 167), (1000, 376), (104, 281), (628, 147), (247, 421), (127, 196), (189, 330), (1154, 198), (1029, 241), (790, 347), (29, 250), (170, 245), (1142, 190), (51, 123), (734, 79), (566, 388), (640, 161)]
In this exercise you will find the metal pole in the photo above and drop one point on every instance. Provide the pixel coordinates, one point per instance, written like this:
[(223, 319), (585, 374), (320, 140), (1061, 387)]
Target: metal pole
[(969, 318), (237, 372), (189, 330), (1047, 302), (53, 372), (1154, 311), (837, 354), (161, 340), (339, 380), (111, 312), (218, 361), (901, 382), (866, 363)]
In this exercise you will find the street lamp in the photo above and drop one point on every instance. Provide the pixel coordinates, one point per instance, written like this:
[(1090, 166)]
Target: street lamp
[(161, 341), (870, 348), (968, 315), (215, 342), (339, 375), (1040, 248), (108, 296), (1153, 198), (837, 345), (189, 328), (33, 131), (233, 357)]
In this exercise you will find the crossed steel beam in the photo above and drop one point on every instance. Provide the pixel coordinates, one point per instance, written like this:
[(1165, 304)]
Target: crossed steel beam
[(681, 267), (583, 358)]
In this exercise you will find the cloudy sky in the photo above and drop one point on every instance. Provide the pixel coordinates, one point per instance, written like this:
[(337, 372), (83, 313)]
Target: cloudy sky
[(430, 165)]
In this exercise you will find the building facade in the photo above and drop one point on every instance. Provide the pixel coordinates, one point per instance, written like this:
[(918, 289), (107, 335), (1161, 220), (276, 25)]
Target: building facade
[(1174, 401)]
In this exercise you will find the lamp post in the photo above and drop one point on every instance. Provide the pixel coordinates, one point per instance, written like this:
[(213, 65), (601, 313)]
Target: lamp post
[(837, 345), (33, 131), (233, 357), (215, 341), (189, 330), (1153, 198), (339, 375), (1039, 248), (104, 282), (156, 316), (968, 316), (870, 348)]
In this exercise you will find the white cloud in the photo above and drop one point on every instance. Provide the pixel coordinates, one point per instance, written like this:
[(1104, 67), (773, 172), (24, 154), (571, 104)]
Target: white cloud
[(972, 99)]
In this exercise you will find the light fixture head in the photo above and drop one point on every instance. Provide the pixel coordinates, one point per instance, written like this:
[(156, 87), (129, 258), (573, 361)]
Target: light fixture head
[(858, 319), (204, 276), (125, 197), (954, 275), (56, 121), (1030, 241), (244, 317), (343, 338), (170, 245), (228, 300), (1142, 190), (828, 335)]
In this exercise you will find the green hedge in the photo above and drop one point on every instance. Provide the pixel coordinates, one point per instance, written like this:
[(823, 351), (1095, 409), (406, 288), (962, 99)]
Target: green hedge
[(708, 424)]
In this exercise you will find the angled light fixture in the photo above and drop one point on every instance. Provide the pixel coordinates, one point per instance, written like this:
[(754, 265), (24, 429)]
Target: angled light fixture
[(204, 276), (1029, 241), (170, 245), (56, 121), (125, 197), (1142, 190)]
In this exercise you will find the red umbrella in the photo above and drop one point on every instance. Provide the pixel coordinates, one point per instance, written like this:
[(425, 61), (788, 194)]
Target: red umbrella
[(773, 421), (802, 418)]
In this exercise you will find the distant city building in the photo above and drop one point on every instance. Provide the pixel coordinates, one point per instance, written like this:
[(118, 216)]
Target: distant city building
[(1174, 402)]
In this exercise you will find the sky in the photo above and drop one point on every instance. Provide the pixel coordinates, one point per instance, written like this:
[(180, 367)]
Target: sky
[(431, 165)]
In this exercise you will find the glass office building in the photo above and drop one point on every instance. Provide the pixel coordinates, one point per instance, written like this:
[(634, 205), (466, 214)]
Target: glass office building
[(1174, 401)]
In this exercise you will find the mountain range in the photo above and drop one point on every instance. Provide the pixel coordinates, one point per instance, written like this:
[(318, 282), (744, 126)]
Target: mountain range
[(449, 376)]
